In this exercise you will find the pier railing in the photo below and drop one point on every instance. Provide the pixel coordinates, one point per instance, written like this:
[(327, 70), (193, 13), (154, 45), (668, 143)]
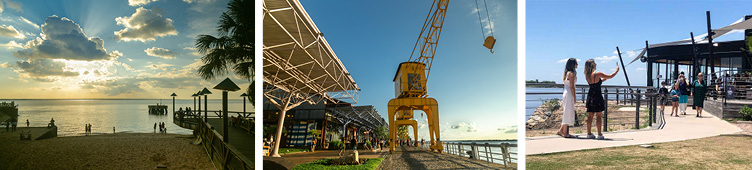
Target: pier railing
[(223, 156), (623, 95), (186, 119), (493, 153)]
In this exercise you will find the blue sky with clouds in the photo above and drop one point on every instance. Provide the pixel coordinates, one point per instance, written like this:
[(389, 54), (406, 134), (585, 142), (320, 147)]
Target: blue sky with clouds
[(104, 49), (475, 89), (558, 30)]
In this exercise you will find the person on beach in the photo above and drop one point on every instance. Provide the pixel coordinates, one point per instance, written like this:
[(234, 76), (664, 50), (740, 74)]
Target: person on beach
[(594, 102), (568, 98), (7, 126), (698, 93), (14, 123), (113, 130), (683, 93), (155, 127), (27, 122), (675, 100), (663, 95)]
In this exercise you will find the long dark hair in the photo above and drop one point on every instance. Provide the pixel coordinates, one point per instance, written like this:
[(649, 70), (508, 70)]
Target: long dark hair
[(571, 62)]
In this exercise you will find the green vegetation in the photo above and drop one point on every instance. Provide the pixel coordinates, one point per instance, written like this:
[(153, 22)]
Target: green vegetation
[(382, 132), (540, 84), (704, 153), (335, 144), (746, 113), (551, 104), (291, 150), (322, 164)]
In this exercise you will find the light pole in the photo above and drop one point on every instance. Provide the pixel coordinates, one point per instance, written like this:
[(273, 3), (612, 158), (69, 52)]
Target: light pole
[(244, 96), (199, 104), (173, 102), (225, 85), (206, 93), (194, 100)]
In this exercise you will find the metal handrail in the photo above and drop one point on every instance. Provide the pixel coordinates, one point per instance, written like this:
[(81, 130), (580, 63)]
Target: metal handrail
[(487, 154), (222, 155)]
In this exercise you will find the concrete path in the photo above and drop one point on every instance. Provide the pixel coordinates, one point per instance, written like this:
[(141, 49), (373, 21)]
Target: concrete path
[(305, 157), (421, 158), (679, 128)]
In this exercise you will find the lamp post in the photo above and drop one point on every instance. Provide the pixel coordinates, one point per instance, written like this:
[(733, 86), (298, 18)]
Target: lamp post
[(199, 104), (206, 93), (225, 85), (173, 102), (194, 100), (244, 96)]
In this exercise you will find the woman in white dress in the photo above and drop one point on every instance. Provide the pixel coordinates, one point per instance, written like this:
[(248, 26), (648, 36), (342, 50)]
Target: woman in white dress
[(568, 98)]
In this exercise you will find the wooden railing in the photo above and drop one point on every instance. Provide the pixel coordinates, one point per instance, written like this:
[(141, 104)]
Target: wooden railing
[(223, 156)]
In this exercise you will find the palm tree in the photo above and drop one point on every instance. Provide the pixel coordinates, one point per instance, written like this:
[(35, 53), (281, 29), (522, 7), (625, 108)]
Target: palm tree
[(233, 49)]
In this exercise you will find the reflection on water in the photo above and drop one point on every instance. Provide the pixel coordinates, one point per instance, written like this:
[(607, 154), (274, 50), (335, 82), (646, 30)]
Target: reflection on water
[(125, 115)]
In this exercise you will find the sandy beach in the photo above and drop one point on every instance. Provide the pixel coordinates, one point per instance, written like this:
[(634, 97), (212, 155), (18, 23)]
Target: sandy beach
[(110, 151)]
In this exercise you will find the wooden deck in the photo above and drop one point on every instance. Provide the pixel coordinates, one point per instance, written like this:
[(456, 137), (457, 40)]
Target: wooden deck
[(239, 138)]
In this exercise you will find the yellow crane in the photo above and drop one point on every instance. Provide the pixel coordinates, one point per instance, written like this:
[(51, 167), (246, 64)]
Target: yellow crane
[(411, 79)]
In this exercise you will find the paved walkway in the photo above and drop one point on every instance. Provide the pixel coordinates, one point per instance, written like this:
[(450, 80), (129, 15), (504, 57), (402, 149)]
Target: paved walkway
[(421, 158), (676, 129), (305, 157)]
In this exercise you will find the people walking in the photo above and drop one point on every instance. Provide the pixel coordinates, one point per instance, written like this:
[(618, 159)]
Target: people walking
[(568, 98), (663, 95), (594, 102), (675, 100), (683, 93), (698, 93)]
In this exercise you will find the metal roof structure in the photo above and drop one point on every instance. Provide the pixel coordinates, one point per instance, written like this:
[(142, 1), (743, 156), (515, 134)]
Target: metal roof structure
[(367, 116), (297, 58)]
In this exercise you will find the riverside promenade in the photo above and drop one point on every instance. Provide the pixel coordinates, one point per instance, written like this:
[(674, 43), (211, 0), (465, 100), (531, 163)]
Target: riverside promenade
[(679, 128), (422, 158)]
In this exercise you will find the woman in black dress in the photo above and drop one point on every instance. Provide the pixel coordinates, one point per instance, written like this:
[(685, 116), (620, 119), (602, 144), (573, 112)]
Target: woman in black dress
[(594, 102)]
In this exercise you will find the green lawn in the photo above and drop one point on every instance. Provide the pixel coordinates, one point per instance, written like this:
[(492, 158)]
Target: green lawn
[(369, 165), (291, 150), (719, 152)]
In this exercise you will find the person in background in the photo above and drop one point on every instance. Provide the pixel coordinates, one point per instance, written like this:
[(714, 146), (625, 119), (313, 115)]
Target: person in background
[(27, 122), (155, 127), (683, 93), (663, 95), (698, 92), (675, 100), (113, 130)]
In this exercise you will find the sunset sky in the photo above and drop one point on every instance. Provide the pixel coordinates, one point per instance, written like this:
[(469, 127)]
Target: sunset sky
[(475, 89), (105, 49)]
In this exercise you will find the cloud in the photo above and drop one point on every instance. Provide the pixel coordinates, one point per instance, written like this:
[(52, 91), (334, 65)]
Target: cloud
[(44, 68), (468, 127), (510, 129), (14, 5), (12, 44), (161, 53), (565, 60), (144, 25), (198, 1), (24, 20), (139, 2), (5, 65), (9, 31), (64, 39), (606, 59), (193, 51), (158, 66)]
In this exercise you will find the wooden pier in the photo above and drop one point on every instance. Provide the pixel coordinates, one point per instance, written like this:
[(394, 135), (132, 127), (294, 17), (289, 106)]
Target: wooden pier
[(158, 109), (238, 153)]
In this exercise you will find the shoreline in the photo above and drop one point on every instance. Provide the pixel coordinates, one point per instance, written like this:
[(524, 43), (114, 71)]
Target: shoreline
[(105, 151)]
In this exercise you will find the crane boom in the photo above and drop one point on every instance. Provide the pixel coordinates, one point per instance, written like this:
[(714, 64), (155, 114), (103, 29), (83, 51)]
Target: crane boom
[(432, 29)]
